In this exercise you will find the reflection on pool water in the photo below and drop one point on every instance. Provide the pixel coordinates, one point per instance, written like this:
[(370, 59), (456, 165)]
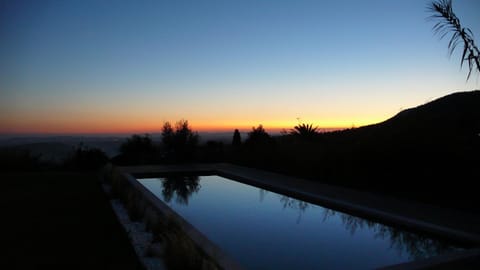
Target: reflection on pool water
[(266, 230)]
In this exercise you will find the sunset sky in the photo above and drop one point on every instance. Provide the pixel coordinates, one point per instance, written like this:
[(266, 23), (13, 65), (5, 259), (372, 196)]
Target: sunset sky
[(127, 66)]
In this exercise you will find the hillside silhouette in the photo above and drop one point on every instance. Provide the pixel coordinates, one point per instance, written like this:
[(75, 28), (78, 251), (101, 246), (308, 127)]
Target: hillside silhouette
[(428, 153), (455, 115)]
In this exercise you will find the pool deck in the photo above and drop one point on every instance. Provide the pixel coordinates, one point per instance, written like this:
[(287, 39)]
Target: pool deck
[(444, 223)]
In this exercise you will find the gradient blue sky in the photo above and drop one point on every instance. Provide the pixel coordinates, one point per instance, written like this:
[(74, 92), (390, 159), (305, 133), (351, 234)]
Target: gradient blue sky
[(128, 66)]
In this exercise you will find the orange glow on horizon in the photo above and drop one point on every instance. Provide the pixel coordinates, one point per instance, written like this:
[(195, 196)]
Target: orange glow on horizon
[(121, 127), (72, 131), (131, 121)]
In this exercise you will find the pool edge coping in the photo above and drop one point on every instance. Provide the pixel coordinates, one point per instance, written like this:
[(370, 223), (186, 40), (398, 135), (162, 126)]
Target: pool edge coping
[(220, 257), (224, 169)]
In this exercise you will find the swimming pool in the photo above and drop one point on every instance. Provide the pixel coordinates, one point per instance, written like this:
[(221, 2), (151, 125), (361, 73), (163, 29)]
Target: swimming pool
[(267, 230)]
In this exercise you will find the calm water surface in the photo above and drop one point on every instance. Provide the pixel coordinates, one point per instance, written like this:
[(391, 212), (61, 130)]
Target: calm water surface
[(266, 230)]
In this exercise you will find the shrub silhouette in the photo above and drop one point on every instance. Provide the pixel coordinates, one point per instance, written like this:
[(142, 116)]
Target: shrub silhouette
[(137, 150), (12, 159), (211, 151), (85, 158), (180, 142)]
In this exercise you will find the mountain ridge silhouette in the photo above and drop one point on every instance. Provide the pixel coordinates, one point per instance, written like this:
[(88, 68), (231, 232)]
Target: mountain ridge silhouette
[(453, 114)]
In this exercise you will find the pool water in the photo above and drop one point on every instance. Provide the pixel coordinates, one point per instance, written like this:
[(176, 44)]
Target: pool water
[(266, 230)]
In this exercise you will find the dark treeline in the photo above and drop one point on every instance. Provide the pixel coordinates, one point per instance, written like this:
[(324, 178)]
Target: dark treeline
[(82, 158), (178, 144), (437, 169), (428, 153)]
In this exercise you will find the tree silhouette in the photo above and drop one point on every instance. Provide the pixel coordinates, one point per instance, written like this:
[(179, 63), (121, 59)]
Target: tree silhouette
[(415, 246), (449, 23), (237, 139), (179, 142), (180, 187), (258, 137)]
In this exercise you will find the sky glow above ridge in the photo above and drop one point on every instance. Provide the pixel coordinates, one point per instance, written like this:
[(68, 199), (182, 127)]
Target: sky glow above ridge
[(128, 66)]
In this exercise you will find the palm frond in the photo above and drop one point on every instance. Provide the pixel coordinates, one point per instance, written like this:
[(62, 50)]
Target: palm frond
[(304, 130), (448, 23)]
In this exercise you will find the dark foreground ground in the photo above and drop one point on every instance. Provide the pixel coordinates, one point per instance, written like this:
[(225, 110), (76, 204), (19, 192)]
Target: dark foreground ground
[(60, 220)]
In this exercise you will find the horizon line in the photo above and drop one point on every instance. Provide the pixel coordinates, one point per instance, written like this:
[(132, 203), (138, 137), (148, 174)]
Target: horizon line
[(141, 132)]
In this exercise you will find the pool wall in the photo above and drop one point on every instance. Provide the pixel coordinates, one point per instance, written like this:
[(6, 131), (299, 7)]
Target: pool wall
[(185, 246), (145, 205)]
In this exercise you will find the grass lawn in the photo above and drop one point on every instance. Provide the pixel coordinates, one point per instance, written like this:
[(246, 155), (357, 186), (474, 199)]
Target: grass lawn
[(60, 220)]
